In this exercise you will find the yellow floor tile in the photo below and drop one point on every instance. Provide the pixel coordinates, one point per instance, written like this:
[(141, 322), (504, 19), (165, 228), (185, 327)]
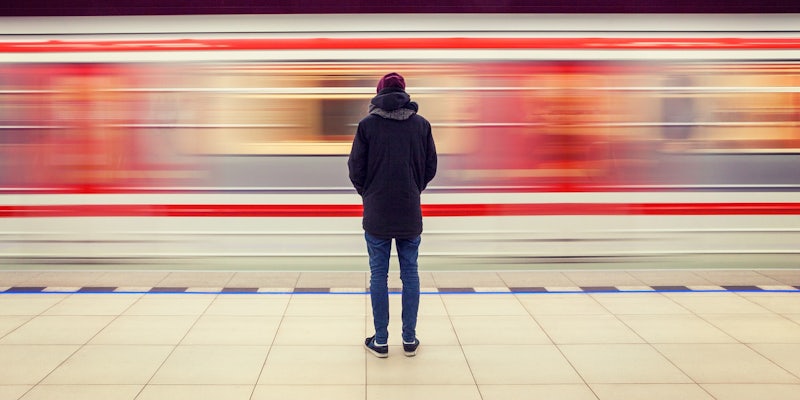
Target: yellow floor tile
[(28, 304), (327, 305), (213, 364), (561, 304), (417, 391), (57, 330), (483, 304), (9, 323), (519, 364), (196, 392), (675, 329), (305, 392), (622, 363), (499, 330), (313, 331), (110, 364), (318, 364), (170, 304), (83, 392), (13, 392), (572, 329), (718, 303), (249, 305), (724, 363), (28, 364), (145, 329), (93, 304), (433, 365), (233, 330), (758, 328), (782, 303), (786, 356), (646, 303), (560, 392), (688, 391), (753, 391)]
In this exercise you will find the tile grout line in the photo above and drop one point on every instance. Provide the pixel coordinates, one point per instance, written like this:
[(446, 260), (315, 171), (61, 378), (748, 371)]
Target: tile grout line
[(764, 356), (558, 348), (749, 345), (272, 344), (59, 364), (368, 317), (694, 313), (81, 346), (174, 347), (653, 346), (461, 346), (112, 321)]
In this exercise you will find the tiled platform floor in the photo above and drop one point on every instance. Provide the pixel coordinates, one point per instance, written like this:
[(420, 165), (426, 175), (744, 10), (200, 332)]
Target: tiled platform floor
[(723, 344)]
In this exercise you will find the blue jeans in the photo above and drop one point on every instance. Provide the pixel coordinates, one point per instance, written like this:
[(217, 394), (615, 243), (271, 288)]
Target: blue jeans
[(407, 251)]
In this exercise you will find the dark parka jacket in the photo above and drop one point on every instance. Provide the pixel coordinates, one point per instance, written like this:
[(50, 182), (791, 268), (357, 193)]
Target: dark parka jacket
[(391, 162)]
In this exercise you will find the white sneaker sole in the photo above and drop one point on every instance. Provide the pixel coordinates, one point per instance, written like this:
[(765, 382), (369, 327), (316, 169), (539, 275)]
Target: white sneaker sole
[(376, 354)]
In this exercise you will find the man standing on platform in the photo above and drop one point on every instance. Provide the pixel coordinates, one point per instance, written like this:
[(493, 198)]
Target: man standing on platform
[(392, 160)]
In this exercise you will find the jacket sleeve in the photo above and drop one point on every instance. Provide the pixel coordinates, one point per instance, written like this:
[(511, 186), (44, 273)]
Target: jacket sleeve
[(357, 163), (431, 159)]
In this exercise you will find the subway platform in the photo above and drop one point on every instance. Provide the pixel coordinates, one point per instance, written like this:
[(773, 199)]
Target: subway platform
[(554, 334)]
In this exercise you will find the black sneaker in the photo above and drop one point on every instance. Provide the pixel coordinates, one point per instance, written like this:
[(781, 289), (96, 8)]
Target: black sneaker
[(410, 348), (380, 351)]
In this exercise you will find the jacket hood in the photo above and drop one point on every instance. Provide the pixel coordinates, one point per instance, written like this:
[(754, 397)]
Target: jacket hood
[(393, 103)]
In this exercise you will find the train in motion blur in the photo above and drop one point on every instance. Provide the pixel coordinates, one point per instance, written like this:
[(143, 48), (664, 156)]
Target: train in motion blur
[(561, 138)]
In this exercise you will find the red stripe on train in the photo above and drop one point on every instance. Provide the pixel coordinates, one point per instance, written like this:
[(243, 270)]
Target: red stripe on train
[(429, 210), (397, 43)]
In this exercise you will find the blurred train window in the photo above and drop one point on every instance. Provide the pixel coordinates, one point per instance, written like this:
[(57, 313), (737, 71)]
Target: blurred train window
[(340, 117), (742, 108), (293, 109), (499, 122), (342, 111)]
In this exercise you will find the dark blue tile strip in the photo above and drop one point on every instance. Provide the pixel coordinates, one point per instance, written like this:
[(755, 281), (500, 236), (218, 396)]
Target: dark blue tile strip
[(312, 290), (599, 289), (168, 289), (96, 289), (25, 289), (527, 290), (670, 288), (743, 288), (457, 290), (239, 290), (533, 289)]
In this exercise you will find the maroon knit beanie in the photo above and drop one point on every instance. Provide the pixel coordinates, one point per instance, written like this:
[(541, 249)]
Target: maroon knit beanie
[(392, 80)]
